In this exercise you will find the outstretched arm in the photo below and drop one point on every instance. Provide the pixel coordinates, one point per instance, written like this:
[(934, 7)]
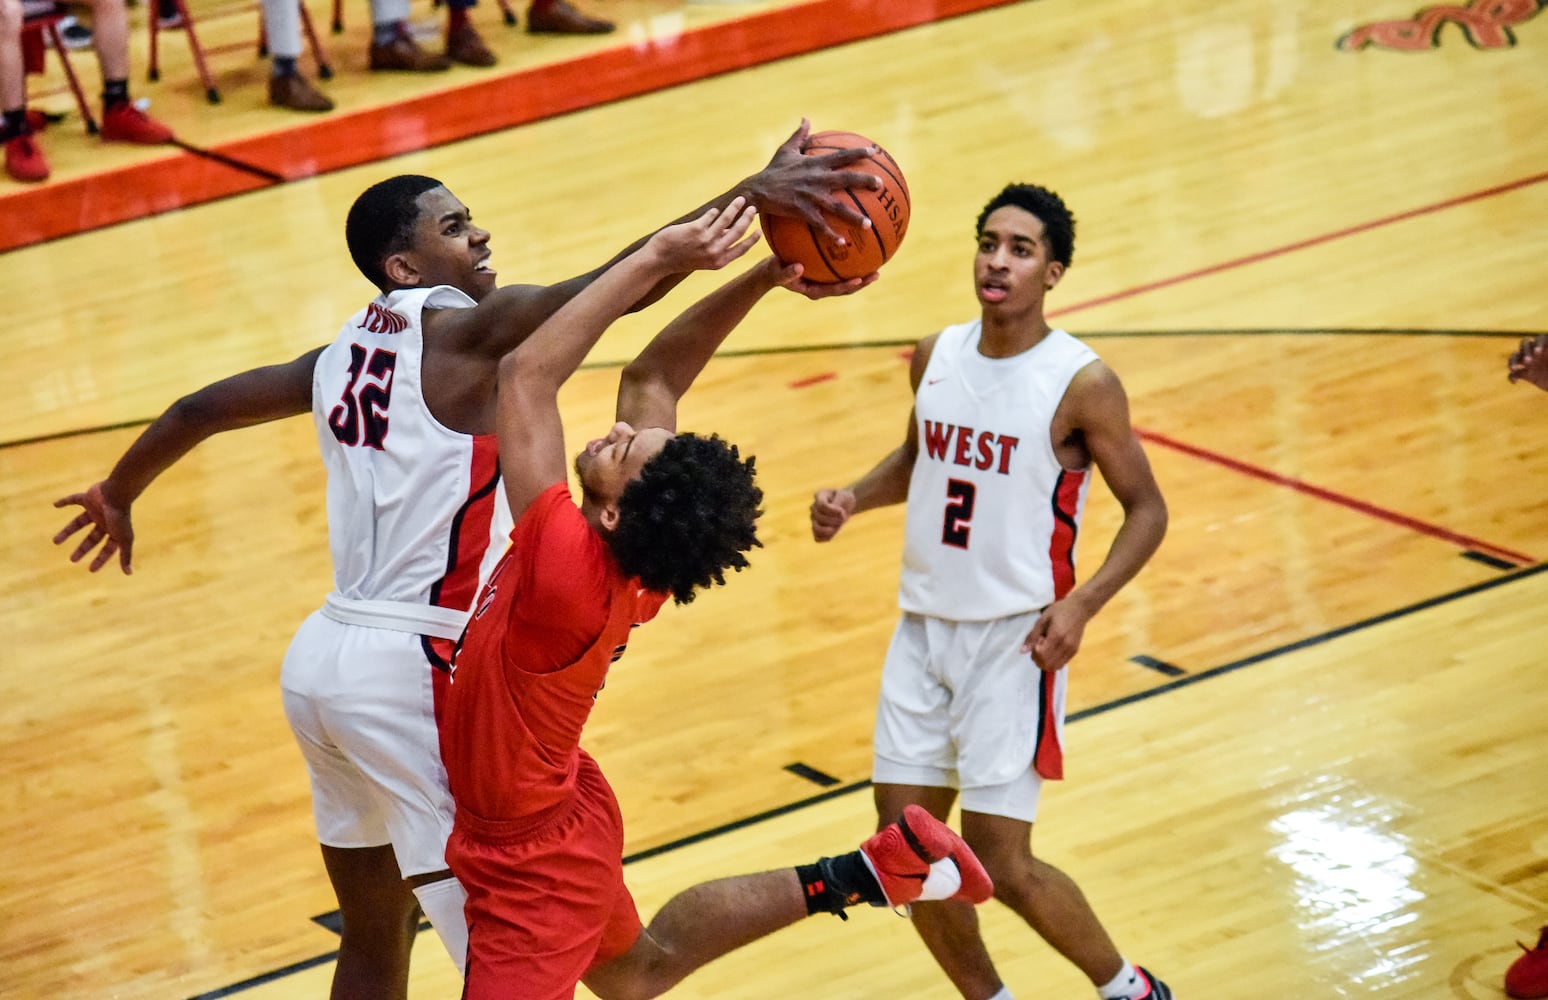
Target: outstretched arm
[(253, 397), (532, 455), (887, 482), (1102, 415), (792, 184)]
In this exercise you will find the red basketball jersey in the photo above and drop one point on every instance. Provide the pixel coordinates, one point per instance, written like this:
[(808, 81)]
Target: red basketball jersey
[(553, 616)]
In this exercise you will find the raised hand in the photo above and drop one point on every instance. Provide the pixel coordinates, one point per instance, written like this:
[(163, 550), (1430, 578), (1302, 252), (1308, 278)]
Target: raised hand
[(803, 187), (830, 510), (1530, 362), (709, 242), (110, 528), (791, 277)]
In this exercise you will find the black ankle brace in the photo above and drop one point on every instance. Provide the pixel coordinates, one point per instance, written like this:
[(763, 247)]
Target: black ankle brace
[(832, 884)]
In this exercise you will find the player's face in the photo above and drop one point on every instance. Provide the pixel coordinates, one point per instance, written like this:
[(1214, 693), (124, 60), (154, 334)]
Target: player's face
[(448, 248), (1012, 269), (608, 464)]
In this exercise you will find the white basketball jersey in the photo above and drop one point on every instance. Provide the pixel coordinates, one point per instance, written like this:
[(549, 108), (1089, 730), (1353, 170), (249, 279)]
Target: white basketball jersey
[(413, 506), (992, 515)]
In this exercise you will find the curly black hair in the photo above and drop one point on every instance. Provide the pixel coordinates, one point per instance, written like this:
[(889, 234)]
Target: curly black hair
[(689, 516), (381, 222), (1058, 223)]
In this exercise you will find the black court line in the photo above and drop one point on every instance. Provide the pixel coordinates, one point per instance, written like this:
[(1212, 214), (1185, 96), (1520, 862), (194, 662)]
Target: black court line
[(1488, 560), (229, 161), (811, 774), (901, 344), (1172, 669), (1087, 713)]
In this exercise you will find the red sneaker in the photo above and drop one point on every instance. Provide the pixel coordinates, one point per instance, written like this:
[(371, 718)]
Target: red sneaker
[(1155, 989), (920, 858), (36, 120), (127, 123), (24, 159), (1527, 977)]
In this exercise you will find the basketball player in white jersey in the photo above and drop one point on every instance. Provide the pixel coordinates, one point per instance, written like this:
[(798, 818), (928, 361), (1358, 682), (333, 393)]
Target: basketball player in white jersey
[(1011, 414), (404, 405)]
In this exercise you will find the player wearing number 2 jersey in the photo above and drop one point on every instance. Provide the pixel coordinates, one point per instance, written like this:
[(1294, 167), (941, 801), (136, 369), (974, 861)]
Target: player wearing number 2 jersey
[(404, 401), (1009, 416)]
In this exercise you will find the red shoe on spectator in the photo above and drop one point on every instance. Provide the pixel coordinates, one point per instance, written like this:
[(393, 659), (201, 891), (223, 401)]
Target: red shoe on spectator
[(37, 121), (24, 159), (127, 123)]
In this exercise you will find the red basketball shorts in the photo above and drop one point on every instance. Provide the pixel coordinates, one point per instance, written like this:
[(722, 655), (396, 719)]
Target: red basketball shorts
[(544, 908)]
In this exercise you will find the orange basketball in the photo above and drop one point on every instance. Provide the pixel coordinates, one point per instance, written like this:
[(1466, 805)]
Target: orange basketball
[(793, 241)]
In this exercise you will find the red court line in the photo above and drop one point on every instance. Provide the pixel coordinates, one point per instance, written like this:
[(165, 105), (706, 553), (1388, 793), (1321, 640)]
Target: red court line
[(1301, 486), (802, 383), (59, 209), (1280, 251)]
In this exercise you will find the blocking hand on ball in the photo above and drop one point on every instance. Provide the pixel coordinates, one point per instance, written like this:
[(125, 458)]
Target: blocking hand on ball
[(803, 187)]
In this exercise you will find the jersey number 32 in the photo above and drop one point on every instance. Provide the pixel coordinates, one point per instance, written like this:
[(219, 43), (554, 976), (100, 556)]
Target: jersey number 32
[(361, 416)]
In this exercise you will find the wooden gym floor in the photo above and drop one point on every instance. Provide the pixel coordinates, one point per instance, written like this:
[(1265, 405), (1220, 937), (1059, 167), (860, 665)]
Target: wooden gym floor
[(1307, 744)]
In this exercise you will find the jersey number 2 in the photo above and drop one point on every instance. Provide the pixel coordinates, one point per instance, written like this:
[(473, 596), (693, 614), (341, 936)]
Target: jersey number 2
[(361, 416), (958, 513)]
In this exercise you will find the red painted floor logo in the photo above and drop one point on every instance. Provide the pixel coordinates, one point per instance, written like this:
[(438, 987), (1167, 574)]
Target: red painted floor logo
[(1485, 23)]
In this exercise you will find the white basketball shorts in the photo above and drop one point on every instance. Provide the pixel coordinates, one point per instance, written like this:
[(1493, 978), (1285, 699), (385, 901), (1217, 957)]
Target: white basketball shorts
[(361, 704), (960, 707)]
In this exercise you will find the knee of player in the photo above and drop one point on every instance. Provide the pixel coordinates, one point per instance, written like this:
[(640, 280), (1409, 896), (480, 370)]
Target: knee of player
[(1010, 866)]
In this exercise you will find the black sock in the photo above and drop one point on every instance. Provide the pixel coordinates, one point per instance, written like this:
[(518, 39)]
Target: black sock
[(15, 123), (114, 93), (284, 66), (832, 884)]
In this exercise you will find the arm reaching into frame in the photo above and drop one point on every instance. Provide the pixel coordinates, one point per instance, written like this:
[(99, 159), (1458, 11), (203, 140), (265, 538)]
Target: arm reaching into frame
[(253, 397)]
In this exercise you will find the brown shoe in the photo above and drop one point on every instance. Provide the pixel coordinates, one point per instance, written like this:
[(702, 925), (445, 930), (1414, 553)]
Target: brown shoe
[(290, 90), (560, 18), (464, 45), (402, 54)]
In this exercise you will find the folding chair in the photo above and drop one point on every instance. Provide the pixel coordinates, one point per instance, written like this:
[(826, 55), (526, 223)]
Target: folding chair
[(39, 32), (324, 70)]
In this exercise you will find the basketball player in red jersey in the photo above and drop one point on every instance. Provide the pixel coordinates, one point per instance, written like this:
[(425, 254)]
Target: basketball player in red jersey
[(538, 839), (403, 400), (1009, 416)]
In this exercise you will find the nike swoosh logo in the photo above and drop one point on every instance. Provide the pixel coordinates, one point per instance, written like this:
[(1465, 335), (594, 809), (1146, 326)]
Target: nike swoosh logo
[(933, 381)]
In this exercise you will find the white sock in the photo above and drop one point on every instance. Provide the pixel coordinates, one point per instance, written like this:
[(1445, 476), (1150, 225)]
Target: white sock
[(943, 881), (1004, 994), (442, 902), (1123, 986)]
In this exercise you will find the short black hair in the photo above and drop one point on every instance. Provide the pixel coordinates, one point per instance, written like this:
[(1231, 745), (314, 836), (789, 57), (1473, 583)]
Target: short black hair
[(1058, 223), (688, 517), (381, 222)]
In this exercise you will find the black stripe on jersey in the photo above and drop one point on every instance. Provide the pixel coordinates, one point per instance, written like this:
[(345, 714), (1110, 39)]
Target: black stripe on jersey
[(1064, 516), (456, 531), (438, 661)]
